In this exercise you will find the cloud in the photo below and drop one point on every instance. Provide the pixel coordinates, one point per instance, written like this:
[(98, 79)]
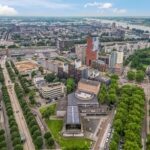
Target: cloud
[(7, 11), (99, 5), (39, 3), (119, 11)]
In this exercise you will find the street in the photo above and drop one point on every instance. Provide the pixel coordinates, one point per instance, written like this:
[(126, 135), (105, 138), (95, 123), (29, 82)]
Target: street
[(28, 145)]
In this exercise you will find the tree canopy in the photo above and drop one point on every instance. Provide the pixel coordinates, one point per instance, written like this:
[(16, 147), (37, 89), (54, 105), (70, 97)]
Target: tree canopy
[(127, 123)]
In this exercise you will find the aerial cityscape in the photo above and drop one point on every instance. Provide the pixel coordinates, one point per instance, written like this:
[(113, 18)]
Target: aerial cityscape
[(74, 75)]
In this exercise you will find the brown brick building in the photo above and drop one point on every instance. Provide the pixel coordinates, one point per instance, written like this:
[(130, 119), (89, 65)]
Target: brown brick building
[(92, 49)]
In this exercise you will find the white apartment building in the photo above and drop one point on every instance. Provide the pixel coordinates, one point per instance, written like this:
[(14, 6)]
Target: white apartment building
[(116, 57), (53, 90), (119, 57), (80, 50)]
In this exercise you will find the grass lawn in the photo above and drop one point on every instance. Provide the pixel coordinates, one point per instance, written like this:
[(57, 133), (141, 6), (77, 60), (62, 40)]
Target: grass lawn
[(55, 127), (51, 107)]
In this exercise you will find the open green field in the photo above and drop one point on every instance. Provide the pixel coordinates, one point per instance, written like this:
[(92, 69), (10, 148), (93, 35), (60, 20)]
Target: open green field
[(55, 127)]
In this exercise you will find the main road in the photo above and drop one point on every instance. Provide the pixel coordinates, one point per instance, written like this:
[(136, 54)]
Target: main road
[(28, 145)]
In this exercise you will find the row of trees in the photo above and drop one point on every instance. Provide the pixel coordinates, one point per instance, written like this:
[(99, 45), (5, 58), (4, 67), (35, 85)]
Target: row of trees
[(30, 119), (128, 119), (14, 131), (108, 94), (70, 85), (148, 142), (49, 140), (10, 71), (14, 67), (138, 75), (139, 59), (25, 84), (31, 122), (3, 145), (1, 75)]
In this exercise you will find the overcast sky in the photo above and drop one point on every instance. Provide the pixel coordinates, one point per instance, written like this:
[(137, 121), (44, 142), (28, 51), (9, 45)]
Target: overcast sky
[(75, 7)]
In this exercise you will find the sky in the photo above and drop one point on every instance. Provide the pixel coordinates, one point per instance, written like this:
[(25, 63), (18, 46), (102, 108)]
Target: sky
[(74, 7)]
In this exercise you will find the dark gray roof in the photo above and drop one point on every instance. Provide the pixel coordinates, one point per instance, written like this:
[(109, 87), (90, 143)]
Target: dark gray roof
[(75, 101), (102, 79), (73, 115), (91, 82)]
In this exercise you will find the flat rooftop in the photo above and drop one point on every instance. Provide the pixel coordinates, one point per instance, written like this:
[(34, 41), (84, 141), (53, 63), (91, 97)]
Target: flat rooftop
[(90, 82), (48, 87), (82, 99)]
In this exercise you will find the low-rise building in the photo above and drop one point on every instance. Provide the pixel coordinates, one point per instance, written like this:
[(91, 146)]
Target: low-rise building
[(89, 86), (77, 71), (53, 90), (99, 65), (38, 81)]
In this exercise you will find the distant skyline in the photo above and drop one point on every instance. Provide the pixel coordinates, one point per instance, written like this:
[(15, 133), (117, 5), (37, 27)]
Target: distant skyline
[(74, 8)]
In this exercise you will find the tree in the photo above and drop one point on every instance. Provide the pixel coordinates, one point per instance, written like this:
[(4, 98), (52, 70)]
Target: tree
[(31, 97), (2, 144), (70, 85), (2, 132), (140, 76), (50, 141), (39, 142), (46, 114), (113, 145), (41, 70), (129, 145), (112, 98), (118, 126), (16, 141), (102, 96), (50, 77), (131, 75), (47, 135), (18, 147), (114, 76), (33, 74)]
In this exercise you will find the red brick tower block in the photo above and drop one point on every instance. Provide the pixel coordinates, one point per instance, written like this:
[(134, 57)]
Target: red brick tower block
[(90, 54)]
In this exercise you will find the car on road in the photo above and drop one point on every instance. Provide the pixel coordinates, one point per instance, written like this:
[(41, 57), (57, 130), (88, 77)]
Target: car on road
[(23, 138)]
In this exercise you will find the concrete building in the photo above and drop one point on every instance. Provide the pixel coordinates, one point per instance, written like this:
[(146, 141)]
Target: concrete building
[(38, 82), (73, 125), (64, 44), (51, 65), (92, 49), (53, 90), (63, 71), (89, 86), (77, 71), (99, 65), (116, 62), (83, 102), (93, 73), (105, 58), (80, 50)]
